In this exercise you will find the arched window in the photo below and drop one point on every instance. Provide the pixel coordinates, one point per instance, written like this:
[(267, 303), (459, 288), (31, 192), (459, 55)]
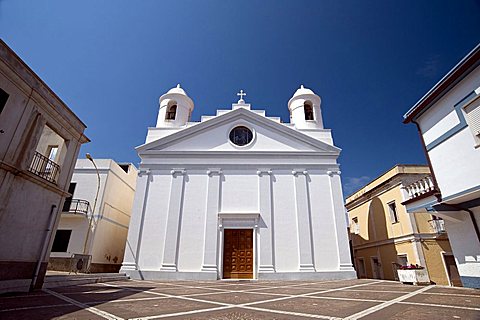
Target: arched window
[(171, 111), (308, 109)]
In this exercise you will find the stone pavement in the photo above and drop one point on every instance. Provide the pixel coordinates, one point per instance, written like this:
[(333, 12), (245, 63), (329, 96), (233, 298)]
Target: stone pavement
[(352, 299)]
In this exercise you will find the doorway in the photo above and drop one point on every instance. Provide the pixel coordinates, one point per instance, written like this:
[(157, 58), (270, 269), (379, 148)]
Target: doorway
[(452, 270), (238, 254)]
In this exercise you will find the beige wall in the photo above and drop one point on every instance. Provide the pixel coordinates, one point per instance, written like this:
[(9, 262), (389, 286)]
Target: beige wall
[(386, 239)]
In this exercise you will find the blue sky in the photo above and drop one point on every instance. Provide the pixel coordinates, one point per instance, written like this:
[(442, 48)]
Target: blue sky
[(370, 61)]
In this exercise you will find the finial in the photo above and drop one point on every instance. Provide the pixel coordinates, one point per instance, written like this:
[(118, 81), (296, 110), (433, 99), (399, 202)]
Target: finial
[(301, 86), (241, 94), (178, 85)]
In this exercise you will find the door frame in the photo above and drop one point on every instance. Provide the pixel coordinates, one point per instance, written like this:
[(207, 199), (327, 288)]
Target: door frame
[(445, 268), (237, 221), (380, 264)]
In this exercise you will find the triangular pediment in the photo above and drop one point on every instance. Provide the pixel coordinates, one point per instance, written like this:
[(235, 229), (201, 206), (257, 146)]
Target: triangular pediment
[(213, 135)]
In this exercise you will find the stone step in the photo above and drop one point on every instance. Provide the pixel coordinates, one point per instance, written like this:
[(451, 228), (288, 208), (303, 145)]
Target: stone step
[(53, 281)]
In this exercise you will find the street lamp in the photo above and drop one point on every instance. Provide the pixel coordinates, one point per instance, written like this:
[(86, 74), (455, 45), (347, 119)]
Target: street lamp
[(89, 157)]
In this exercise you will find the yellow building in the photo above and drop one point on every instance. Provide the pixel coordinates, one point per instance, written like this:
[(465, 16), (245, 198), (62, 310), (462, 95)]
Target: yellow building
[(384, 235)]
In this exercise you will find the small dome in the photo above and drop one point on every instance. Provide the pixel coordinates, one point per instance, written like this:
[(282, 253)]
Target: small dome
[(177, 90), (303, 90)]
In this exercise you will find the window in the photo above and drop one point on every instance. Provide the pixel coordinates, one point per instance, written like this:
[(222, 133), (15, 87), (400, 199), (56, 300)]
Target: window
[(171, 111), (355, 226), (241, 136), (60, 243), (392, 207), (52, 152), (68, 200), (472, 115), (3, 99), (308, 109)]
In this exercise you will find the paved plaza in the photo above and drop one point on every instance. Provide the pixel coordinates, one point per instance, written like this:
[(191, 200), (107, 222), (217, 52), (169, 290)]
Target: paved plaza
[(352, 299)]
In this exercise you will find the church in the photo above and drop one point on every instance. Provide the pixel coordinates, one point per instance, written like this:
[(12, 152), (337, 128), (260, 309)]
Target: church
[(238, 195)]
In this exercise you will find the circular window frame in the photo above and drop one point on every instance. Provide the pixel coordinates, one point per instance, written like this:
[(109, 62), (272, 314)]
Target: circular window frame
[(254, 135)]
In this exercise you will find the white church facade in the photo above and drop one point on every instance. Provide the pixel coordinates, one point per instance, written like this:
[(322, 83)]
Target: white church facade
[(238, 195)]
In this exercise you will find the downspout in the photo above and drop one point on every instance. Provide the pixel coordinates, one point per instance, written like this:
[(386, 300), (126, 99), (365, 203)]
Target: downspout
[(46, 242), (434, 179)]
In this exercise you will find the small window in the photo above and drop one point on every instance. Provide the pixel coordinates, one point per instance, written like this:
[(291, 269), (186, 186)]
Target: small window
[(171, 112), (392, 207), (308, 109), (52, 152), (472, 115), (62, 238), (3, 99), (241, 136), (68, 200), (355, 226)]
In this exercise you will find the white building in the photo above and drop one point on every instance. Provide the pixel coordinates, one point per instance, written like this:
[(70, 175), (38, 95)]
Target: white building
[(448, 120), (238, 195), (104, 237), (39, 141)]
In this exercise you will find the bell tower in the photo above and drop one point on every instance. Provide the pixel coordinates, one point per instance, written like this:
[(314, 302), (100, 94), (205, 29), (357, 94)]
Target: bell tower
[(175, 108), (305, 112)]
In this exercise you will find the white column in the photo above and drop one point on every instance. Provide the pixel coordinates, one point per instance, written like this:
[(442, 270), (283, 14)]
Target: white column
[(304, 221), (175, 208), (211, 221), (340, 221), (135, 230), (266, 232)]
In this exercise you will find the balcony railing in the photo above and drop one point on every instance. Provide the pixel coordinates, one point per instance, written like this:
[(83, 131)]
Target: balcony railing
[(44, 168), (437, 225), (420, 187), (76, 206)]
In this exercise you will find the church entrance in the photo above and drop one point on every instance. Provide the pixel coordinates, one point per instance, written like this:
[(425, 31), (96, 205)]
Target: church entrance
[(238, 254)]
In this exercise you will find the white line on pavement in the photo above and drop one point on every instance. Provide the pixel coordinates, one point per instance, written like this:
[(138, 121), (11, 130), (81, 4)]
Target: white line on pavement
[(96, 311), (385, 304)]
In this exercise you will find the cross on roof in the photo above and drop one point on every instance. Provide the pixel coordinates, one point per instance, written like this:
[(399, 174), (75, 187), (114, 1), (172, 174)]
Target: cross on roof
[(241, 94)]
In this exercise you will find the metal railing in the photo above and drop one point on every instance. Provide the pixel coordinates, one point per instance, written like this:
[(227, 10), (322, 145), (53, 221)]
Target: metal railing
[(437, 225), (44, 167), (76, 206)]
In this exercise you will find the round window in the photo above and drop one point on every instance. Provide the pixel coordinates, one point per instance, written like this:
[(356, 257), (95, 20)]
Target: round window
[(241, 136)]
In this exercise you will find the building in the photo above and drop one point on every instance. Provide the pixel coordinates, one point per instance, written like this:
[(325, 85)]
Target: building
[(384, 236), (238, 195), (104, 237), (40, 140), (448, 122)]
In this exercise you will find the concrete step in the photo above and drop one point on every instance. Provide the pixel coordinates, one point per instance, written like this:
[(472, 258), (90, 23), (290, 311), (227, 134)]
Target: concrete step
[(62, 280)]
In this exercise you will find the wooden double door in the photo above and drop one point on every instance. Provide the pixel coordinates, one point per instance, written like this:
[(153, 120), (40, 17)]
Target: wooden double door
[(238, 254)]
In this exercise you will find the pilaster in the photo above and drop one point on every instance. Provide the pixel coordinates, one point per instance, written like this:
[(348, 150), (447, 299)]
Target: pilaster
[(174, 220), (211, 220), (305, 242), (266, 232)]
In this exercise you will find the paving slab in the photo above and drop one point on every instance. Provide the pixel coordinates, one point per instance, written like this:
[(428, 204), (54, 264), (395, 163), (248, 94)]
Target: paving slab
[(135, 309), (403, 311), (332, 308), (458, 301), (361, 295), (239, 314), (237, 297)]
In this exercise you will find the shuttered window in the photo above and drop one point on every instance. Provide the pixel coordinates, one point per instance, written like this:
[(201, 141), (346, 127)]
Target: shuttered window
[(472, 115)]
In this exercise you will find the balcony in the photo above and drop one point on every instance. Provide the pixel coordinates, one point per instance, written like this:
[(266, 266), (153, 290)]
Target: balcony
[(420, 189), (44, 168), (76, 206), (437, 225)]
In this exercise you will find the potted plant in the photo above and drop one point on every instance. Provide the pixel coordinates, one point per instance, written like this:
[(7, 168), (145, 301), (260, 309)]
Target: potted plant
[(413, 273)]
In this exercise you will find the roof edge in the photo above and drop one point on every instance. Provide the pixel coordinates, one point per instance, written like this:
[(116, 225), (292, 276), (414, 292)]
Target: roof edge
[(456, 74)]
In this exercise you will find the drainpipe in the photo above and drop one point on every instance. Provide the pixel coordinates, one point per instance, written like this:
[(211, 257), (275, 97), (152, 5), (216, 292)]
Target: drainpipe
[(46, 241), (434, 179)]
